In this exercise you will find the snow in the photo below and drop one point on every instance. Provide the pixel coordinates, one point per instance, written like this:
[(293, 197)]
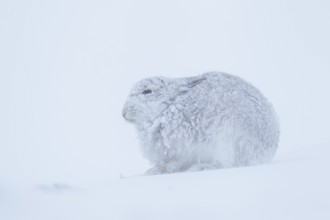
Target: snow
[(66, 68), (294, 186)]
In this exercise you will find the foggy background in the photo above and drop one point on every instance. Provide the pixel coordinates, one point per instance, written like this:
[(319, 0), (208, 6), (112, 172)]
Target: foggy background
[(66, 68)]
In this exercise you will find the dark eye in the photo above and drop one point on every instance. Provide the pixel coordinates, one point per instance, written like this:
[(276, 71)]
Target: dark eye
[(148, 91)]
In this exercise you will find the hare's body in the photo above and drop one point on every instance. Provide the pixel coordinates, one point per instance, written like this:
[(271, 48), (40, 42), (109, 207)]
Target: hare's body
[(210, 121)]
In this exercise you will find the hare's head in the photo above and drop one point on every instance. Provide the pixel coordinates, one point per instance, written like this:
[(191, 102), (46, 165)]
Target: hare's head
[(150, 97), (147, 100)]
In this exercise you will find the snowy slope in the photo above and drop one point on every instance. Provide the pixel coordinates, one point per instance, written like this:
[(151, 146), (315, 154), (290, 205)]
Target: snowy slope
[(294, 186)]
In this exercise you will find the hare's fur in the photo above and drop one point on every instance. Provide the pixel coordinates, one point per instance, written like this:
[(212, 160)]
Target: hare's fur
[(209, 121)]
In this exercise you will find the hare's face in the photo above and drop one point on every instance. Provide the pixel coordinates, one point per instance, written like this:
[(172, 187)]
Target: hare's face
[(147, 100)]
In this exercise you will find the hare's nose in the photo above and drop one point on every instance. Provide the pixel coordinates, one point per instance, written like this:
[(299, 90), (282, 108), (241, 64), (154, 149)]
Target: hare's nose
[(124, 112), (128, 114)]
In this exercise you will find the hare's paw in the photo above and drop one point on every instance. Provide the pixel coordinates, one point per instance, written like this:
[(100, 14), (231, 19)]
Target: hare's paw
[(155, 171), (170, 167), (203, 166)]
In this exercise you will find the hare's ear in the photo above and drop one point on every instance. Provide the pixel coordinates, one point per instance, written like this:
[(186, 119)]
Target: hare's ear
[(162, 81), (192, 82), (187, 84)]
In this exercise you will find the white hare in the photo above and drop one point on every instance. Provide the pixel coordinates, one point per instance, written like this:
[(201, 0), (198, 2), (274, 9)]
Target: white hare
[(210, 121)]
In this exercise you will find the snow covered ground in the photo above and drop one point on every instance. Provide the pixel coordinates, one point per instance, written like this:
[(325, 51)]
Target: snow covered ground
[(66, 68), (294, 186)]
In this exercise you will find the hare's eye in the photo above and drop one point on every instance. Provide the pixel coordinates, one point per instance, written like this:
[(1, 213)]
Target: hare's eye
[(148, 91)]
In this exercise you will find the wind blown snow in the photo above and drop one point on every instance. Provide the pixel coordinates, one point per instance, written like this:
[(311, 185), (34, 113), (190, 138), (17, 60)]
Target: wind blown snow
[(67, 65)]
